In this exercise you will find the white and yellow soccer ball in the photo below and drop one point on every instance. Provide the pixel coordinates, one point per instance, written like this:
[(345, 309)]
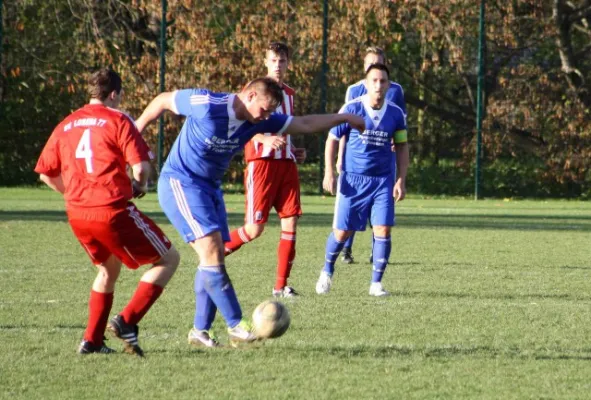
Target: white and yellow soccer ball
[(270, 319)]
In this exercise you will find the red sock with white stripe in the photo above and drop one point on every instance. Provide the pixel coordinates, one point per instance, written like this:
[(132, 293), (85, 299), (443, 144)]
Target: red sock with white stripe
[(99, 307), (238, 237), (285, 257), (143, 298)]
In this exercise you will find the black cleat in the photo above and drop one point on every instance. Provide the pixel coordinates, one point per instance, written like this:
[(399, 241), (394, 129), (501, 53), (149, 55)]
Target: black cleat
[(88, 348), (371, 258), (347, 257), (126, 333)]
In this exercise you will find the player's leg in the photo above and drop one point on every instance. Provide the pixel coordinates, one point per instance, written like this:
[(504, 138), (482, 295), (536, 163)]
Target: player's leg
[(99, 306), (351, 211), (103, 287), (347, 257), (259, 196), (289, 208), (286, 252), (137, 240), (382, 218), (213, 277)]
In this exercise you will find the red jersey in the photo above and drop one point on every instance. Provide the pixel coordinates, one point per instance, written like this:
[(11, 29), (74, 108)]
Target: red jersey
[(255, 150), (90, 150)]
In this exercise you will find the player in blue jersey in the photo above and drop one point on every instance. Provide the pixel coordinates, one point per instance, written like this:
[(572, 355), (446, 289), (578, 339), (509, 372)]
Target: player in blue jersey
[(372, 177), (217, 126), (373, 55)]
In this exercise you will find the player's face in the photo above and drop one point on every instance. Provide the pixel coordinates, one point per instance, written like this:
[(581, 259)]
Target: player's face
[(259, 107), (377, 85), (276, 65), (372, 59)]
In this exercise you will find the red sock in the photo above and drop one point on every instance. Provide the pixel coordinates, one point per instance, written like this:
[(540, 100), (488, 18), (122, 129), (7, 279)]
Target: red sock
[(99, 307), (285, 256), (238, 237), (143, 298)]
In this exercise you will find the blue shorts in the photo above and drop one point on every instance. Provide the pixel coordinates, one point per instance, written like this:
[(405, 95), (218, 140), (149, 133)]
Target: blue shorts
[(360, 197), (194, 208)]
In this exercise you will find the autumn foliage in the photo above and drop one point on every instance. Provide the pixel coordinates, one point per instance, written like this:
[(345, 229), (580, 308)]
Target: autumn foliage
[(537, 126)]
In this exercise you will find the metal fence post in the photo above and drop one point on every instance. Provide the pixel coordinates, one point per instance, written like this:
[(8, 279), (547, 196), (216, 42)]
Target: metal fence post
[(479, 105), (162, 86)]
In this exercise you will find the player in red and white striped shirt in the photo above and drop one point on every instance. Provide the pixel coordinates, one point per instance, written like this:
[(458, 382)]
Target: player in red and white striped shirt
[(271, 180)]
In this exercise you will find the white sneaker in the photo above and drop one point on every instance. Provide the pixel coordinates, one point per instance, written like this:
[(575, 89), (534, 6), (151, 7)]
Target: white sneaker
[(324, 283), (202, 338), (241, 333), (376, 289)]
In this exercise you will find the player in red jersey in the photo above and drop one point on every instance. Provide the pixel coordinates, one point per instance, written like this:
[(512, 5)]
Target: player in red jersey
[(271, 180), (85, 159)]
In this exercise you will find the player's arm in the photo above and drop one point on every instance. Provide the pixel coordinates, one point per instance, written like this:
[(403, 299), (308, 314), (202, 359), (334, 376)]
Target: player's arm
[(275, 142), (322, 122), (402, 160), (342, 143), (330, 150), (54, 182), (141, 173), (163, 102)]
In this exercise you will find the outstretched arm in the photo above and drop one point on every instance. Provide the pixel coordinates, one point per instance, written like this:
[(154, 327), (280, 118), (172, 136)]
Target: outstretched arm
[(163, 102), (322, 122)]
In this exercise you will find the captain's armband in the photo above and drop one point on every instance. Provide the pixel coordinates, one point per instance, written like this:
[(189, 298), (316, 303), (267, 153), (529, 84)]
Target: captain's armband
[(400, 136)]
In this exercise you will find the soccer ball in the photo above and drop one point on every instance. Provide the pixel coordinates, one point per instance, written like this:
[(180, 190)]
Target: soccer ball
[(270, 319)]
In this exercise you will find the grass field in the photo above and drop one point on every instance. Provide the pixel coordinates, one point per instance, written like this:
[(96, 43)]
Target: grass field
[(490, 299)]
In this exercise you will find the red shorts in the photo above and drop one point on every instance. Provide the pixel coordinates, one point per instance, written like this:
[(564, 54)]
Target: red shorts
[(271, 183), (125, 232)]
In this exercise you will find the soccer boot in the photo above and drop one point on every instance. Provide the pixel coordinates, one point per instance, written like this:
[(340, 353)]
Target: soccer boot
[(287, 291), (203, 338), (88, 348), (347, 256), (324, 283), (376, 289), (241, 334), (127, 333)]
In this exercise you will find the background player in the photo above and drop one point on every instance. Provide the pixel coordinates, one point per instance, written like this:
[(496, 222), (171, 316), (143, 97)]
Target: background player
[(395, 94), (372, 175), (271, 180), (85, 159), (217, 126)]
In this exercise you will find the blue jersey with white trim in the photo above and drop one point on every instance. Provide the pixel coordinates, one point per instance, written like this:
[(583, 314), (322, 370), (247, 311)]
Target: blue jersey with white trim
[(370, 152), (212, 134), (395, 93)]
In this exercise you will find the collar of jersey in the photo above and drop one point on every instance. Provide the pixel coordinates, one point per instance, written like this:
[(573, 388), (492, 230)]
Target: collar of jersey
[(375, 115)]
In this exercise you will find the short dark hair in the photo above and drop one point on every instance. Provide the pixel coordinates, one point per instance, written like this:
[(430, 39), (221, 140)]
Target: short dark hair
[(379, 66), (103, 82), (279, 48), (267, 87)]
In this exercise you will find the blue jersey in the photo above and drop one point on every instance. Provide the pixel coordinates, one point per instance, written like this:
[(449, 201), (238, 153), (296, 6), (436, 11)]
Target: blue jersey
[(395, 93), (370, 152), (211, 135)]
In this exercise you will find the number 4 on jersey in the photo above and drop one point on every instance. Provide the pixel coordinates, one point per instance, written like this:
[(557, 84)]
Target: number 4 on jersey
[(84, 150)]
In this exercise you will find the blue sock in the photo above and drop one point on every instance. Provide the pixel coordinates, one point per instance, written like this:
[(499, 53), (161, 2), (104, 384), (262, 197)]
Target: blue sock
[(381, 254), (205, 308), (219, 288), (333, 248), (349, 241)]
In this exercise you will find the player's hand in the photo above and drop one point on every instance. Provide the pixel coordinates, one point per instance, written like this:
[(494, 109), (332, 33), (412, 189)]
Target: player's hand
[(275, 142), (137, 190), (329, 183), (399, 192), (356, 122), (300, 155)]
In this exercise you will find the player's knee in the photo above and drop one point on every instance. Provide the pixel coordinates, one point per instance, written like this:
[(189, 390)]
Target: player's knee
[(171, 260), (382, 231), (289, 224), (254, 230), (341, 236)]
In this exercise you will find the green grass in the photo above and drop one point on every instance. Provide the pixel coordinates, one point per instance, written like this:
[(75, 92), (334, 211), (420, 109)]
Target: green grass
[(491, 299)]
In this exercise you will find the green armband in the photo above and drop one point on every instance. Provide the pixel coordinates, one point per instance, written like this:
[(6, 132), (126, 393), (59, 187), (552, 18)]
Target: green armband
[(400, 136)]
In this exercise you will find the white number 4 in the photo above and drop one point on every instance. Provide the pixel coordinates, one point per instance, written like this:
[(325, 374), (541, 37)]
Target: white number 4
[(84, 151)]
